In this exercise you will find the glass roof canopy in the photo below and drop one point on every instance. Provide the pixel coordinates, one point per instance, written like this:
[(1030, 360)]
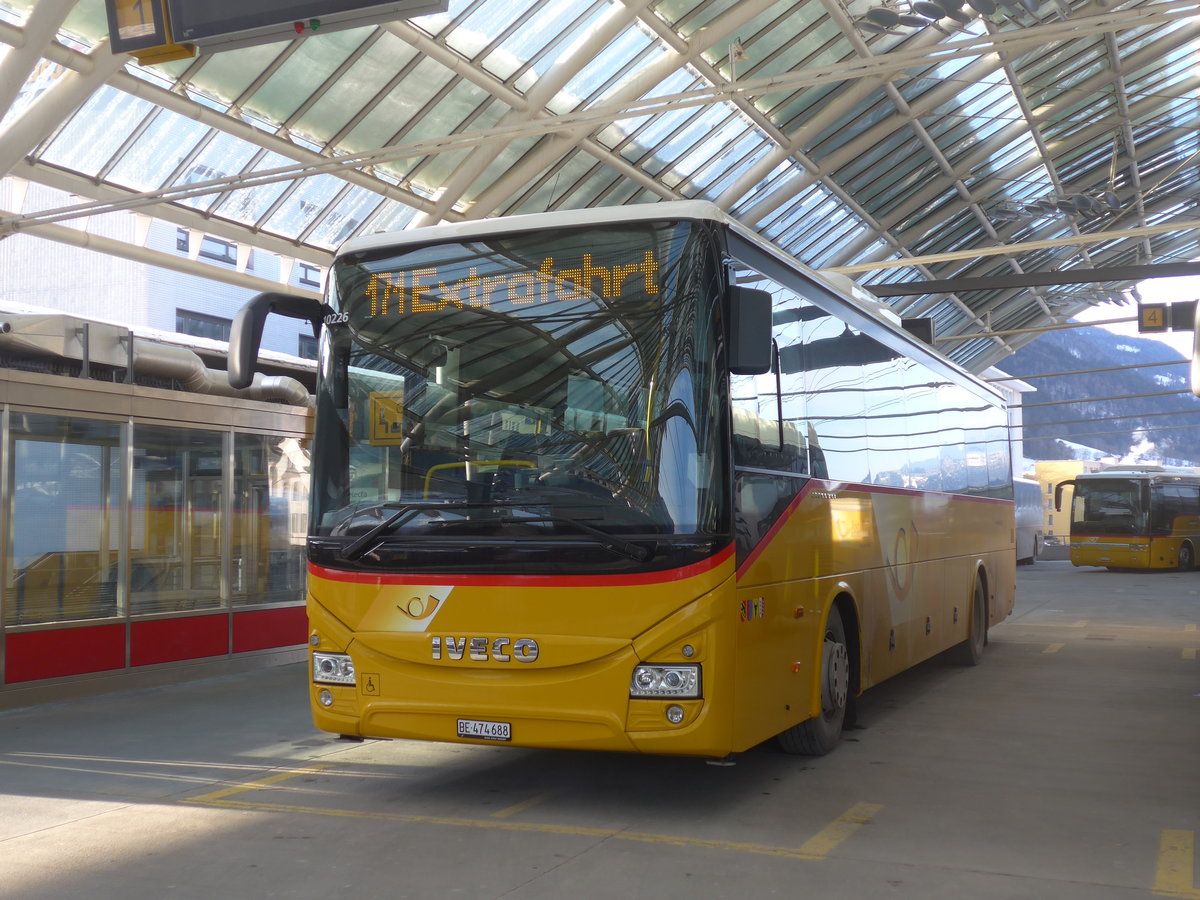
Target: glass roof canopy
[(993, 141)]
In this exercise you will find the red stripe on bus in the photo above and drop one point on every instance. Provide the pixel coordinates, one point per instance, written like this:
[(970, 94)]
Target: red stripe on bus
[(833, 486), (807, 488), (663, 577)]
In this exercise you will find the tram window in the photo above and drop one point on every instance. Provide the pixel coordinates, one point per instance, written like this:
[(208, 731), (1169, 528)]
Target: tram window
[(270, 519), (66, 473), (176, 525)]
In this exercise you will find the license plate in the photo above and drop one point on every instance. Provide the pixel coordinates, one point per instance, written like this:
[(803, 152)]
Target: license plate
[(485, 731)]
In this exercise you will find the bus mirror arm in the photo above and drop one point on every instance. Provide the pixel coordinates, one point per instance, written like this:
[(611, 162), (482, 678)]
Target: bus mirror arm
[(750, 348), (1058, 494), (245, 335)]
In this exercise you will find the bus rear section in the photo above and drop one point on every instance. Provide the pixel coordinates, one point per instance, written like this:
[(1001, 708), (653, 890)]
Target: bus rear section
[(1134, 518)]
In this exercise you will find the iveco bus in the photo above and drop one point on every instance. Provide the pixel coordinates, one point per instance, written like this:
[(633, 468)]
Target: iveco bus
[(632, 479)]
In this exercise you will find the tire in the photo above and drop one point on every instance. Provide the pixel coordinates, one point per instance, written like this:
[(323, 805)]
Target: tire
[(819, 735), (1187, 558), (970, 651)]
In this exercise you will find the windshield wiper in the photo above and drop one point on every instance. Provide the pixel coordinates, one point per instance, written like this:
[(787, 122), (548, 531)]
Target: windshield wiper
[(606, 540), (403, 512), (368, 540)]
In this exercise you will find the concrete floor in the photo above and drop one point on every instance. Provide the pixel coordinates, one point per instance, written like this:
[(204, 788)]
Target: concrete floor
[(1066, 766)]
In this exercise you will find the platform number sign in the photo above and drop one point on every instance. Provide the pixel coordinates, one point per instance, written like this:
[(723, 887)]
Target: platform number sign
[(1179, 316), (1152, 317), (136, 24)]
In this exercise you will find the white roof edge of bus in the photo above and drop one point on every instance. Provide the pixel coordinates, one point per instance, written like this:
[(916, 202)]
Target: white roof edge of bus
[(601, 215), (567, 218), (849, 290)]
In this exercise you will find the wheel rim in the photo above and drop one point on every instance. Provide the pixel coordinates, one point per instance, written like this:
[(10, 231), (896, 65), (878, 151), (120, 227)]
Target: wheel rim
[(835, 680), (1185, 557)]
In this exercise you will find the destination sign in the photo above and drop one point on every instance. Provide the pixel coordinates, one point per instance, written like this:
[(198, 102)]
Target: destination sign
[(431, 290)]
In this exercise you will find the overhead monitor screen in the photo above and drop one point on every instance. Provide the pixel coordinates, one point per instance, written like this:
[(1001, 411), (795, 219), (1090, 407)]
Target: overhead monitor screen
[(197, 20)]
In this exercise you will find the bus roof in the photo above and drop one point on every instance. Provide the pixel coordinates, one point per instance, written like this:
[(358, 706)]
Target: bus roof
[(600, 215), (837, 288), (1142, 473)]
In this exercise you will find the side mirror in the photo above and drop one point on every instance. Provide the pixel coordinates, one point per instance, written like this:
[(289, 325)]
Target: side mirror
[(749, 331), (245, 335), (1058, 494), (1195, 371)]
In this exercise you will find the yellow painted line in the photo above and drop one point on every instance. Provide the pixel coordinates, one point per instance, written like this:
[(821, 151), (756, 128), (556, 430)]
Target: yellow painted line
[(1189, 652), (1053, 648), (520, 807), (269, 781), (828, 838), (1174, 876), (1191, 627), (816, 848)]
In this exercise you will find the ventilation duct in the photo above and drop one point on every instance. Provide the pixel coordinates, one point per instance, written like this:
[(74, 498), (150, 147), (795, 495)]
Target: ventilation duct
[(66, 337)]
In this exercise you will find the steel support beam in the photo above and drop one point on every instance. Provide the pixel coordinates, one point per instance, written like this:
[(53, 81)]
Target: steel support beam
[(1034, 279)]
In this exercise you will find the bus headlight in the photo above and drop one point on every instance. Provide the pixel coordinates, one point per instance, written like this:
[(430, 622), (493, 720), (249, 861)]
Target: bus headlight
[(332, 668), (665, 681)]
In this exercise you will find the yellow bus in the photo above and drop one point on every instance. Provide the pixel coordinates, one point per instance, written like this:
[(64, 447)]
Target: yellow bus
[(632, 479), (1140, 517)]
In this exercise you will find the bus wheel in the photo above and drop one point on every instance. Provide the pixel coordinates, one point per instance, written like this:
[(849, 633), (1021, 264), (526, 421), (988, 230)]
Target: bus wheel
[(819, 735), (970, 651), (1187, 558)]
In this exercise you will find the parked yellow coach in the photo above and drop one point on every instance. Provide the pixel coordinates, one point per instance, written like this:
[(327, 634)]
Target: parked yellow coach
[(1141, 517), (633, 479)]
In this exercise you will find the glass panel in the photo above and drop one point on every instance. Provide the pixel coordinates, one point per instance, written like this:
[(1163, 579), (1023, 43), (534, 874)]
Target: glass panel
[(158, 151), (270, 519), (247, 204), (64, 490), (356, 89), (550, 387), (304, 72), (176, 527), (96, 132)]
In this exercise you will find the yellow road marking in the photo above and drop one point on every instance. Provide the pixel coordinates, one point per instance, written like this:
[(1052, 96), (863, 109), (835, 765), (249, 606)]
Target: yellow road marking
[(817, 847), (1189, 652), (1191, 627), (1174, 875), (828, 838), (1053, 648), (270, 780), (519, 807)]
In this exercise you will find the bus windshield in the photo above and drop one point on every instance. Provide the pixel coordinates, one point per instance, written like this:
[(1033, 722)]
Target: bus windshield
[(1108, 506), (553, 388)]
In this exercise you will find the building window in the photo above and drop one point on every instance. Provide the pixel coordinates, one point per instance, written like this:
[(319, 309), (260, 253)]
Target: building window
[(210, 247), (308, 347), (202, 325), (310, 275)]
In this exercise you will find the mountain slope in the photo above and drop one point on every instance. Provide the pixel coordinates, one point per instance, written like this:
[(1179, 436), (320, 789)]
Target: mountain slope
[(1091, 414)]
